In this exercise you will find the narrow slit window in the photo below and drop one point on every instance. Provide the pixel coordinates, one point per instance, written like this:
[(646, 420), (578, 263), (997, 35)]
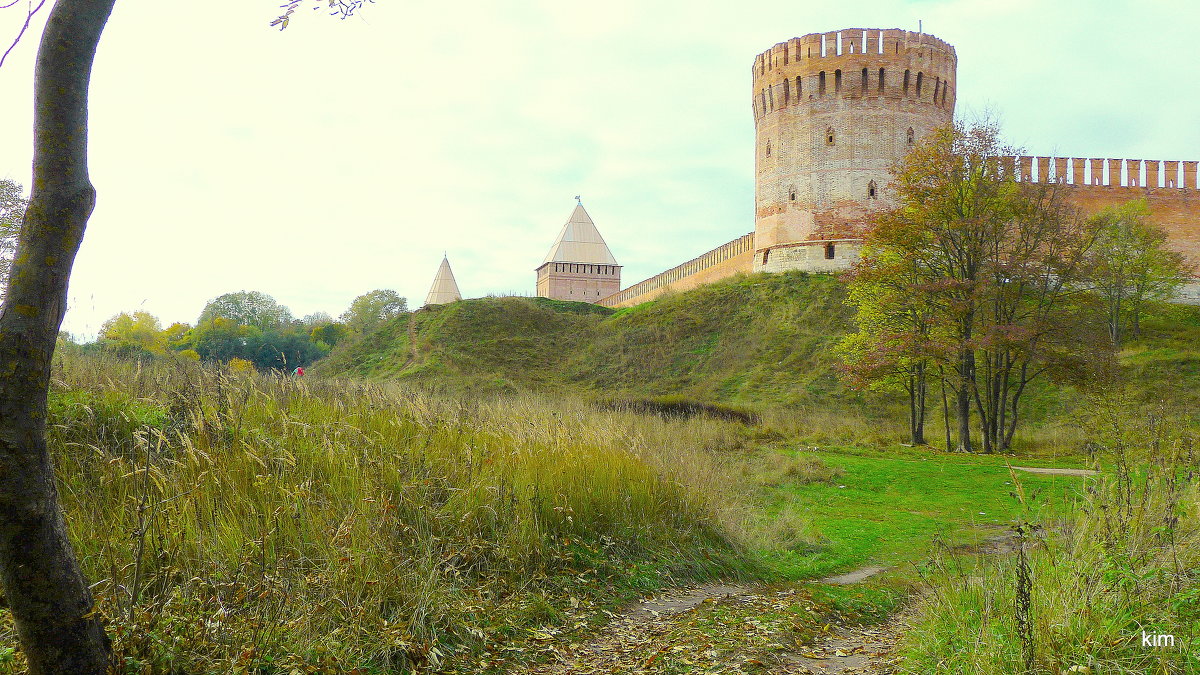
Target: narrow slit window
[(912, 136), (829, 137), (799, 88), (787, 91), (881, 74), (766, 254), (837, 80), (920, 78), (821, 83), (829, 251), (906, 76), (768, 150), (864, 81), (872, 190)]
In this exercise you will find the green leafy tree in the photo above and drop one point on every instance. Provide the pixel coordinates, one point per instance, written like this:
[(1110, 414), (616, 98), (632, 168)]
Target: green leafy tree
[(47, 596), (371, 310), (893, 346), (247, 308), (175, 334), (134, 334), (282, 350), (221, 339), (1130, 266), (12, 212), (330, 333)]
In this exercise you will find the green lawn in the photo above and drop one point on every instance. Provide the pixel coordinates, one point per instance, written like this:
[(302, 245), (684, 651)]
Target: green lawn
[(891, 511)]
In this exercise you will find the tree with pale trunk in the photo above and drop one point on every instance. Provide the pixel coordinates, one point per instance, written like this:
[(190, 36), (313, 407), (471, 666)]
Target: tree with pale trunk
[(1131, 266), (12, 212), (51, 604)]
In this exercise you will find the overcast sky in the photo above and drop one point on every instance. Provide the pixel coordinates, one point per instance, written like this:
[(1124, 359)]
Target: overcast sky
[(338, 157)]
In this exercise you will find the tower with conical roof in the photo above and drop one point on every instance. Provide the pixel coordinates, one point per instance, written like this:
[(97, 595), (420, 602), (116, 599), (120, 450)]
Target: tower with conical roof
[(445, 288), (579, 265)]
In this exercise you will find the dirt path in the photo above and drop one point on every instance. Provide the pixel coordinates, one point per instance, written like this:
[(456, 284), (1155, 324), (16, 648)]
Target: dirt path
[(1058, 472), (724, 629), (412, 341)]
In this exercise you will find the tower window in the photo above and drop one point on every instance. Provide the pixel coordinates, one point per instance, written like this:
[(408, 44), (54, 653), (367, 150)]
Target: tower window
[(768, 148), (864, 81), (837, 80), (829, 251), (881, 80), (920, 76), (792, 195), (912, 137), (799, 89), (872, 190), (766, 254), (787, 91), (906, 75), (829, 139), (821, 83)]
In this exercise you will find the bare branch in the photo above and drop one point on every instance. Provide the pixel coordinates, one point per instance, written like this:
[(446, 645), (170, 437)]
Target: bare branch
[(343, 8), (28, 18)]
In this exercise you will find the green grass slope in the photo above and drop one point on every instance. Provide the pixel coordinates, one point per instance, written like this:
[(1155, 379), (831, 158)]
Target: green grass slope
[(485, 345), (762, 338)]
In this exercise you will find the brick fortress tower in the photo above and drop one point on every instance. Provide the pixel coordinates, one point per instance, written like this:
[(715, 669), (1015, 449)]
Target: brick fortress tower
[(832, 113), (579, 265)]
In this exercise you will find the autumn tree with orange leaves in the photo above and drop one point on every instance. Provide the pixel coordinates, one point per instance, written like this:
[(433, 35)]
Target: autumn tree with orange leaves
[(978, 276)]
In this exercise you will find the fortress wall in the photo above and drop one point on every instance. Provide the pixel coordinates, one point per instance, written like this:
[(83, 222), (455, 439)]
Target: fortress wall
[(724, 261), (1176, 210), (1171, 189)]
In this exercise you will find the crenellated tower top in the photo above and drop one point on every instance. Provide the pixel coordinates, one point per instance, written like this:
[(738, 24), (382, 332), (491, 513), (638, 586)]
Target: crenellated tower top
[(855, 63)]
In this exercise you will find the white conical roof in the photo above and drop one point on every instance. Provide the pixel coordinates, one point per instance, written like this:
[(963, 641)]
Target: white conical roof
[(444, 289), (580, 242)]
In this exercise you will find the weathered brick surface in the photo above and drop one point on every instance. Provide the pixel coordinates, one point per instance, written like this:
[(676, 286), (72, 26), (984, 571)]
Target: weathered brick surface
[(578, 281), (1176, 210), (824, 145), (726, 260)]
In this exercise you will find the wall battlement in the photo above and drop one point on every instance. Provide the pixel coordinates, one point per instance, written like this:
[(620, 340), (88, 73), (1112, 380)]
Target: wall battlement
[(854, 63), (849, 42), (834, 111), (1114, 173), (727, 258)]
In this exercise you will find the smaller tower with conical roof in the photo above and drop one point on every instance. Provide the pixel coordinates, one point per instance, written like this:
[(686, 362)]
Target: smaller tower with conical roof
[(579, 265), (445, 288)]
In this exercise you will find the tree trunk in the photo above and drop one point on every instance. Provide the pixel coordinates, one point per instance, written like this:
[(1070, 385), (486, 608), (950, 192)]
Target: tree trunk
[(45, 590), (945, 410), (918, 419), (966, 372)]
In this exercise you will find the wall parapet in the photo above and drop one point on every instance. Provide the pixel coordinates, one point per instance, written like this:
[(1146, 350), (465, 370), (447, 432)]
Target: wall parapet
[(696, 265), (1115, 173)]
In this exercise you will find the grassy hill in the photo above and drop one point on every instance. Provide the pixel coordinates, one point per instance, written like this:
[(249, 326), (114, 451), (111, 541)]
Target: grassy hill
[(764, 341), (748, 339)]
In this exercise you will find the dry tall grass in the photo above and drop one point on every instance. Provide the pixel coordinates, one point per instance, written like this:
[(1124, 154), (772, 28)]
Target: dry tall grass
[(233, 522)]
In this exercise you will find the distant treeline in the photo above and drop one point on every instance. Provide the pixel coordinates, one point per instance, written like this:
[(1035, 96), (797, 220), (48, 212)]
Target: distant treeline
[(246, 329)]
